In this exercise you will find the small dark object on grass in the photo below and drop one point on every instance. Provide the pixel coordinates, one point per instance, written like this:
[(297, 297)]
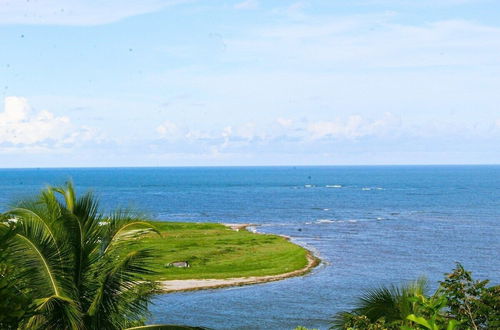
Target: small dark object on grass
[(178, 264)]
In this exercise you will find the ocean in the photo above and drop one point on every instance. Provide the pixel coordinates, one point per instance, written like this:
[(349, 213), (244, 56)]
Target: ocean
[(370, 225)]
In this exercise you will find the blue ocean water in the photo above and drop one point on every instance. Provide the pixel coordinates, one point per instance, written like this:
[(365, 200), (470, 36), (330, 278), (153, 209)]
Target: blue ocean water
[(370, 225)]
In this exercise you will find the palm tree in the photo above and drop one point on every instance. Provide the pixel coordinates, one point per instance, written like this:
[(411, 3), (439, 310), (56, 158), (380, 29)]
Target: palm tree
[(14, 297), (387, 306), (78, 265)]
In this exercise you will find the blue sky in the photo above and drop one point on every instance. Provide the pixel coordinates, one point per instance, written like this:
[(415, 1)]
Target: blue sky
[(208, 82)]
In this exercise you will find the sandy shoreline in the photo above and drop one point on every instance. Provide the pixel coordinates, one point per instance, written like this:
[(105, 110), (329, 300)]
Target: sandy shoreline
[(192, 285)]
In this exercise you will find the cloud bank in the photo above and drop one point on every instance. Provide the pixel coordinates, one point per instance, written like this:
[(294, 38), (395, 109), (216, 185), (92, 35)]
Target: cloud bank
[(340, 129), (20, 126)]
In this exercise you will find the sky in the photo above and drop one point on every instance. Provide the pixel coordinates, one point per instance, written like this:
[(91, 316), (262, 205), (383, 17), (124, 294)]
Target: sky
[(88, 83)]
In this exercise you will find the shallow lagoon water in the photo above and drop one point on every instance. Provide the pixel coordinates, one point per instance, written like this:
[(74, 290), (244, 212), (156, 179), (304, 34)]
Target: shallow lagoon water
[(370, 225)]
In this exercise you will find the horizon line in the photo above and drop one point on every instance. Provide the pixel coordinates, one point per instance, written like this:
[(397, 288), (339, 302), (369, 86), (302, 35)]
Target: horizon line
[(243, 166)]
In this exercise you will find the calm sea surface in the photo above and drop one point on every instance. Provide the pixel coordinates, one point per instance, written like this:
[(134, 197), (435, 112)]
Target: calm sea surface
[(370, 225)]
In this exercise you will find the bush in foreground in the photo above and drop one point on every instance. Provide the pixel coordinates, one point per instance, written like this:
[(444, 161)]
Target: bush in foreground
[(460, 302)]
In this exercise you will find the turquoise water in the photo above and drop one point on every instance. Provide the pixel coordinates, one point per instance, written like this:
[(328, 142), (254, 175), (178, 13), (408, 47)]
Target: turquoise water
[(371, 226)]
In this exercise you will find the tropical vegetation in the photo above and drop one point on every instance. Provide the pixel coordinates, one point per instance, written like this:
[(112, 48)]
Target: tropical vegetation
[(63, 264), (460, 302)]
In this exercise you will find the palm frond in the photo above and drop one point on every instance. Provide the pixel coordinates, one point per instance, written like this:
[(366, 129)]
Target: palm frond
[(125, 225), (45, 260), (379, 302), (41, 248), (408, 292), (56, 312), (133, 303), (69, 194), (118, 284), (51, 205), (7, 233), (70, 258), (81, 217), (391, 303), (340, 320)]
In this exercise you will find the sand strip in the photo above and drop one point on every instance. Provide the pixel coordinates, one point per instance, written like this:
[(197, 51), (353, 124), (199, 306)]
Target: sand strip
[(191, 285)]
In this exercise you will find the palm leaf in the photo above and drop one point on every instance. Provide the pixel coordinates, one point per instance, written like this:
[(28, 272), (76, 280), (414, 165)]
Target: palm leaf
[(44, 262), (124, 225), (119, 286), (70, 256), (68, 192), (392, 303), (55, 312)]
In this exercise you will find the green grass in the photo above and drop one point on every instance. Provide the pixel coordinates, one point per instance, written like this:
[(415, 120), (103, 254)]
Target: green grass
[(215, 251)]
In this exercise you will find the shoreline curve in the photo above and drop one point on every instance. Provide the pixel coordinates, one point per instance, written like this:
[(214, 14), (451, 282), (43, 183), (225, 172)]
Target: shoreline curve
[(169, 286)]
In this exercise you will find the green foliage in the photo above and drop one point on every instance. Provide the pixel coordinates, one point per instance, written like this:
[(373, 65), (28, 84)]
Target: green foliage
[(353, 321), (13, 305), (431, 324), (471, 302), (14, 301), (459, 302), (382, 308), (69, 266), (430, 313)]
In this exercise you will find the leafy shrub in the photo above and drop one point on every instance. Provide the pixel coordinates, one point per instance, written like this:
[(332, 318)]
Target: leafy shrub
[(459, 302)]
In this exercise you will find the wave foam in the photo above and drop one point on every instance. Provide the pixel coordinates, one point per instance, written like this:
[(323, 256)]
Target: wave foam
[(252, 229), (325, 221), (320, 221), (372, 188)]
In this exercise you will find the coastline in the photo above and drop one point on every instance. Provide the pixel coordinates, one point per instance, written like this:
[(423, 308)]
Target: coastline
[(170, 286)]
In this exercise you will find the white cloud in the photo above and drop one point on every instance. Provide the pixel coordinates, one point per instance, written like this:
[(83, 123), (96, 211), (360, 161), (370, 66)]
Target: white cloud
[(300, 132), (227, 132), (354, 127), (21, 126), (15, 110), (250, 134), (350, 135), (76, 12), (249, 131), (247, 4), (285, 122), (169, 130), (198, 135)]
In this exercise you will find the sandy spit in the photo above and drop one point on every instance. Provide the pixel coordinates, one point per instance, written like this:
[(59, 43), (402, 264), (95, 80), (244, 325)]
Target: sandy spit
[(192, 285)]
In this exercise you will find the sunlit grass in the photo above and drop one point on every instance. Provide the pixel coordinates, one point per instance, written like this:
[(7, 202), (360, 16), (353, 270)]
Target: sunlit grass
[(215, 251)]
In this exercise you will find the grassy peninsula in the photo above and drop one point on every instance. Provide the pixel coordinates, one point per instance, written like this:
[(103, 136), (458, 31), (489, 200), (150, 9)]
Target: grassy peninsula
[(218, 252)]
